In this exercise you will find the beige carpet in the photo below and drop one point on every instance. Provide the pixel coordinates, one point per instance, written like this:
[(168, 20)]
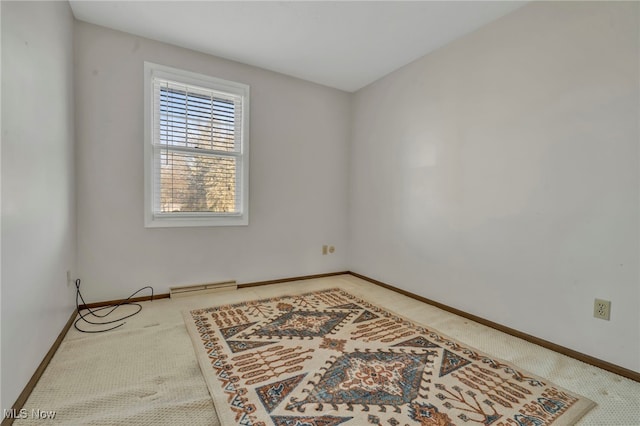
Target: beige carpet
[(146, 372), (140, 376)]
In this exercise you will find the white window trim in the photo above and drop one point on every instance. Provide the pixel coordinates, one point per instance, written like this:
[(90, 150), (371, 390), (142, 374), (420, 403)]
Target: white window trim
[(152, 220)]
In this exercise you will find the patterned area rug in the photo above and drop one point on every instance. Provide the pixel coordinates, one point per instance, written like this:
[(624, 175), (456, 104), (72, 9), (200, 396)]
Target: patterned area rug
[(328, 358)]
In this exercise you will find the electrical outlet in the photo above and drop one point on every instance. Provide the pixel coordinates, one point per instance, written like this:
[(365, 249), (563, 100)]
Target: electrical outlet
[(327, 249), (602, 309), (68, 278)]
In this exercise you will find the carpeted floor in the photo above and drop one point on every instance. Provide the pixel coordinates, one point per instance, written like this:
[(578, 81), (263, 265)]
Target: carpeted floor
[(146, 373)]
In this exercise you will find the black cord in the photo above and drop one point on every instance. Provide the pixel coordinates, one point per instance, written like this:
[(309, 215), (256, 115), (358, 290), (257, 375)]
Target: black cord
[(112, 308)]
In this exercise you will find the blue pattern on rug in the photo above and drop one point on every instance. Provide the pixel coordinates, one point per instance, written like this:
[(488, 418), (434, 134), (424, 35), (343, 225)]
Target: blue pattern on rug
[(369, 378), (302, 324)]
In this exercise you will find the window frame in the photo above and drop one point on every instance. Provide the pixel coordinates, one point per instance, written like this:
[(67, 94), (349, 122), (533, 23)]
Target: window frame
[(153, 219)]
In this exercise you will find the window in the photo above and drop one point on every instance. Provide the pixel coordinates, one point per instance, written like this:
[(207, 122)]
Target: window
[(196, 149)]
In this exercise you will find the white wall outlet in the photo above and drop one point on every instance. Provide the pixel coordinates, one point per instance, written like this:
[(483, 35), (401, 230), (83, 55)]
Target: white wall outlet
[(602, 309), (327, 249), (68, 278)]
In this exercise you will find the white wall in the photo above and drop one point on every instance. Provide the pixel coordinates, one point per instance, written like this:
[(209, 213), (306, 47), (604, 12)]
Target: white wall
[(499, 175), (38, 204), (298, 190)]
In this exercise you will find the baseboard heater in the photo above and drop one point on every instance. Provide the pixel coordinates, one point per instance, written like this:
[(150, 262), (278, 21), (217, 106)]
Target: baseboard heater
[(197, 289)]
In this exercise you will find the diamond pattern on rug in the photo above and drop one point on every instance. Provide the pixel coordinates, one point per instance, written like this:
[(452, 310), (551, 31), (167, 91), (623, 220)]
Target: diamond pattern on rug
[(302, 324), (369, 378), (328, 358)]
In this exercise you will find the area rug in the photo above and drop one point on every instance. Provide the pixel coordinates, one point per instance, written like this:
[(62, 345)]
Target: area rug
[(329, 358)]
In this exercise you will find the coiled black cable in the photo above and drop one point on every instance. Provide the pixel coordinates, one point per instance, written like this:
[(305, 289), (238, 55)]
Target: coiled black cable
[(112, 308)]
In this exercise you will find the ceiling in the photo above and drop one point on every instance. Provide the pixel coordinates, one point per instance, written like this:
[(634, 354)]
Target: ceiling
[(341, 44)]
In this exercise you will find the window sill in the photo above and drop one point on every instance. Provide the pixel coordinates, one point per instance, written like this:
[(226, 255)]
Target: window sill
[(195, 221)]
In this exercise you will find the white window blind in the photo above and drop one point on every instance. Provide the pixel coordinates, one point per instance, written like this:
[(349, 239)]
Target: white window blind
[(198, 150)]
